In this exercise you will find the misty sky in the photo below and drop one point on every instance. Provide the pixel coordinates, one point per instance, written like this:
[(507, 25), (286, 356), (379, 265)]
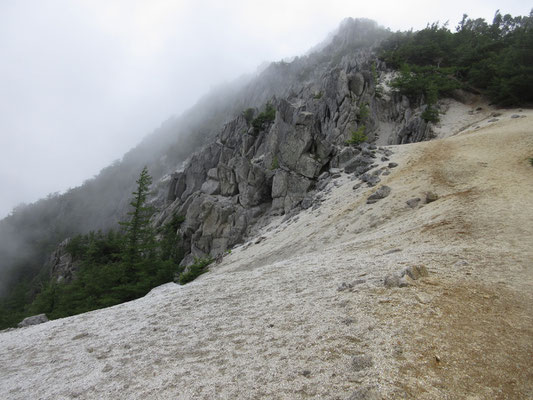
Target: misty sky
[(82, 81)]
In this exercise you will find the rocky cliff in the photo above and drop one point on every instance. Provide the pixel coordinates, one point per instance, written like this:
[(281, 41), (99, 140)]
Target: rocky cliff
[(258, 167), (285, 135)]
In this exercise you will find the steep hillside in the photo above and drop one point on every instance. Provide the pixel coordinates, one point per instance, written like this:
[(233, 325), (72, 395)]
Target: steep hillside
[(32, 232), (251, 167), (302, 309)]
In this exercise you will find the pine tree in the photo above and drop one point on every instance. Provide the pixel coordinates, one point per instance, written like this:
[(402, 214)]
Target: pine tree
[(139, 235)]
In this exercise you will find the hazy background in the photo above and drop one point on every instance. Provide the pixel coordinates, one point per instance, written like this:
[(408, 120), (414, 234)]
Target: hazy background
[(81, 82)]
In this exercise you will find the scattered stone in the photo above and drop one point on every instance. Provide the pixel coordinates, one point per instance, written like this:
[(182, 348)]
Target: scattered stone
[(366, 393), (392, 280), (307, 202), (33, 320), (107, 368), (437, 358), (493, 120), (461, 263), (431, 197), (386, 172), (80, 336), (359, 164), (413, 202), (270, 325), (344, 286), (334, 171), (479, 108), (423, 298), (515, 116), (260, 239), (384, 158), (306, 373), (393, 165), (357, 186), (371, 154), (322, 184), (496, 114), (397, 250), (336, 175), (381, 193), (406, 277), (415, 271), (373, 147), (358, 282), (361, 362), (395, 280), (370, 179), (348, 321), (323, 175)]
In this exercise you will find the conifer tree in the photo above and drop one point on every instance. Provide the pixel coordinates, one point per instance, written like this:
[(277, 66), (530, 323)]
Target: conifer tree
[(139, 236)]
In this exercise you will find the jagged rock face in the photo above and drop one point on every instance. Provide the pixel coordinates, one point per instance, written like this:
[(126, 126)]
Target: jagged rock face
[(248, 174), (62, 266)]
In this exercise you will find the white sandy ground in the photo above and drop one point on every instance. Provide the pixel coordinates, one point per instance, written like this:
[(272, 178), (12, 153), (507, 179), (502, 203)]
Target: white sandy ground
[(270, 322)]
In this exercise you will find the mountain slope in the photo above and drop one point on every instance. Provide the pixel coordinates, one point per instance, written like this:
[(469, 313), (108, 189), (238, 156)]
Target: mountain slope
[(301, 311)]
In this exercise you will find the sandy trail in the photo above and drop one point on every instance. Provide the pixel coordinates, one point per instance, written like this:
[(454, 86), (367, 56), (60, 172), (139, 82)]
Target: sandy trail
[(270, 321)]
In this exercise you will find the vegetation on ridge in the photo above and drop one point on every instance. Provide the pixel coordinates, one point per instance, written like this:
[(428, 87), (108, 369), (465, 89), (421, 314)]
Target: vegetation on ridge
[(263, 118), (495, 59)]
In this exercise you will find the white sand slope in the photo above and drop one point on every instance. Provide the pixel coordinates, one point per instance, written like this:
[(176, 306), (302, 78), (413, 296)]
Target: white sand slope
[(270, 322)]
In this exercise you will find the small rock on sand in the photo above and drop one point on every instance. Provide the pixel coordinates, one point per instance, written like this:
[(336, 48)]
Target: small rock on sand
[(413, 202), (361, 362), (381, 193), (431, 197)]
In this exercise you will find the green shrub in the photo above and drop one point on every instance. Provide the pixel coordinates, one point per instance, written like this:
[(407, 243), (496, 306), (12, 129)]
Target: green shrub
[(374, 73), (263, 118), (531, 161), (430, 114), (198, 268), (275, 163), (358, 136), (318, 95), (364, 111), (248, 115)]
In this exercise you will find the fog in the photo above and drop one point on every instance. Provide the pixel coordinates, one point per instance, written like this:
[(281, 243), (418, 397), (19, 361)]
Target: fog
[(83, 81)]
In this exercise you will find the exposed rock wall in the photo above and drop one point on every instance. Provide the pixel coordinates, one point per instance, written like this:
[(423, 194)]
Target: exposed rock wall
[(61, 264), (247, 175)]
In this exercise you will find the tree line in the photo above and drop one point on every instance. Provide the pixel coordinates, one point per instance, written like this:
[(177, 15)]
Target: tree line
[(494, 59), (114, 267)]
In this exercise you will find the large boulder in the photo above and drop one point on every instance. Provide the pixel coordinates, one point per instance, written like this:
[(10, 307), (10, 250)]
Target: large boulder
[(33, 320)]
